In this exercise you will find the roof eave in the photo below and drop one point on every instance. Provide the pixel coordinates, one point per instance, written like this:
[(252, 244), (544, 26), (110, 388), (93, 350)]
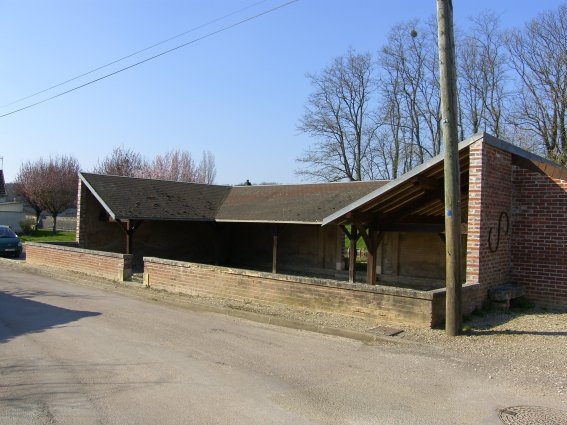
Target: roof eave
[(394, 183), (228, 220)]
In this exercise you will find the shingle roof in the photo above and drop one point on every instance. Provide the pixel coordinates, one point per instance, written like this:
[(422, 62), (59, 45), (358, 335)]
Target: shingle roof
[(144, 199), (298, 203)]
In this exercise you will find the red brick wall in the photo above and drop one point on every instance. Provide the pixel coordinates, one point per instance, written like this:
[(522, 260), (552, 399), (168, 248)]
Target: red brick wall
[(490, 201), (384, 303), (97, 263), (539, 237)]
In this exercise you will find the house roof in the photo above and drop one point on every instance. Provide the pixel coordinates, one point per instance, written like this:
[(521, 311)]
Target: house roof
[(144, 199)]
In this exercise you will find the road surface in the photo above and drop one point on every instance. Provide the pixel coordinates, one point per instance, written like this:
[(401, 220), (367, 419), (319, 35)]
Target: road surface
[(74, 354)]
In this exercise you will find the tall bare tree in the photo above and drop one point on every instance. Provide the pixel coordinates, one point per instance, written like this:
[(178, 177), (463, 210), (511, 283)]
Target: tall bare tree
[(538, 55), (207, 170), (410, 93), (50, 184), (122, 161), (482, 77), (337, 116)]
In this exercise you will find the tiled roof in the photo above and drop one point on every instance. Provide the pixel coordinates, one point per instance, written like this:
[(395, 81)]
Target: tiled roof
[(145, 199), (139, 199)]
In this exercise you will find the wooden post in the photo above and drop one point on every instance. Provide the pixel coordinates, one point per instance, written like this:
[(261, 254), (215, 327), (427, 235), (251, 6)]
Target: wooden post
[(353, 238), (129, 227), (448, 85), (374, 238), (129, 237), (275, 250)]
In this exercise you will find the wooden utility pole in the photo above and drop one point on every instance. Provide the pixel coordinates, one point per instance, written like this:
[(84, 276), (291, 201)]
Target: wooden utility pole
[(448, 82)]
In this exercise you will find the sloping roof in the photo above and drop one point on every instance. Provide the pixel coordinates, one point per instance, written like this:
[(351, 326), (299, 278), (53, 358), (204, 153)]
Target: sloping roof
[(297, 203), (144, 199), (417, 196), (414, 199)]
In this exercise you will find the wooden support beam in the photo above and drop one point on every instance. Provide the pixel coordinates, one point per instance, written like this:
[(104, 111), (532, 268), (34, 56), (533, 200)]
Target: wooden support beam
[(375, 237), (275, 249), (352, 256), (129, 227), (427, 183), (353, 236)]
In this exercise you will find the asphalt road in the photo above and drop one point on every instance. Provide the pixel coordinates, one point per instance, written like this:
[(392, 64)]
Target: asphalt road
[(73, 354)]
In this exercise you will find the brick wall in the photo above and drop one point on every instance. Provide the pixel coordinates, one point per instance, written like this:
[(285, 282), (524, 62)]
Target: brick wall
[(97, 263), (380, 302), (490, 200), (539, 239)]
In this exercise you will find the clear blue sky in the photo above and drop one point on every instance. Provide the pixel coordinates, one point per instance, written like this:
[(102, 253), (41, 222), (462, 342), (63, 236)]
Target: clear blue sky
[(238, 94)]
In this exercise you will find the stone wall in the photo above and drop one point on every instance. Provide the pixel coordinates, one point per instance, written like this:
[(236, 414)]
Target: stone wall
[(380, 302), (96, 263)]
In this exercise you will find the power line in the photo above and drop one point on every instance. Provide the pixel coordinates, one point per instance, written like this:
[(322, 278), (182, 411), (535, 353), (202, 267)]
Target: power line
[(133, 54), (195, 40)]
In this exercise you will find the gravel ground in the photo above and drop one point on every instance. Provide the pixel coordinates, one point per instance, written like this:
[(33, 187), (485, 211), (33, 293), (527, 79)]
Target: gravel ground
[(526, 346)]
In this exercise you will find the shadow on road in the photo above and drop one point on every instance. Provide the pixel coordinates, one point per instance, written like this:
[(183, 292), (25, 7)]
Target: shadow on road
[(19, 316)]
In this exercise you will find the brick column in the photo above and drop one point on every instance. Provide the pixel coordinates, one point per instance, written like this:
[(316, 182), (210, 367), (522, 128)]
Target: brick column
[(490, 199)]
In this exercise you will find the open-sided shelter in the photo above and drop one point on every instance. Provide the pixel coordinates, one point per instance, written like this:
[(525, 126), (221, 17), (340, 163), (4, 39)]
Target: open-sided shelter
[(513, 208), (275, 227)]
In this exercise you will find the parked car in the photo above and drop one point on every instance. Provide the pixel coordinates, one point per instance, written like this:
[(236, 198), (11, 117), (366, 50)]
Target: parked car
[(10, 243)]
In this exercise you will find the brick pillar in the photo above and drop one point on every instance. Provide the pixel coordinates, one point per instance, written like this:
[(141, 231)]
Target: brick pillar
[(80, 233), (490, 200)]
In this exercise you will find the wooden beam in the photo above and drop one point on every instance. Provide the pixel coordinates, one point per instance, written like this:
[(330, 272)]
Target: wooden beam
[(353, 236), (375, 237), (275, 249), (352, 255), (129, 227), (427, 183)]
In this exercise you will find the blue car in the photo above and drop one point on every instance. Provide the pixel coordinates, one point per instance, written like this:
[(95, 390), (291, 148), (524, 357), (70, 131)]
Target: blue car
[(10, 243)]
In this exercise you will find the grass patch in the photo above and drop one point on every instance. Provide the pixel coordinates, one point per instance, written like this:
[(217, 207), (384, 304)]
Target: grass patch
[(43, 235)]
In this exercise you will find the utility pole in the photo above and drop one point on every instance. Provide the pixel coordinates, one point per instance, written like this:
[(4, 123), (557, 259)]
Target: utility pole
[(448, 82)]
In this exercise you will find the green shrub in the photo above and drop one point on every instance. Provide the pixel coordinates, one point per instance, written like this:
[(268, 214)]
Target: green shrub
[(27, 226)]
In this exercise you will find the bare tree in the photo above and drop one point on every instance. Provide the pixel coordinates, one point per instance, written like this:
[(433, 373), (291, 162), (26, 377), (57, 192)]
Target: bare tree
[(538, 54), (337, 116), (122, 162), (482, 77), (207, 170), (175, 165), (50, 185), (409, 86)]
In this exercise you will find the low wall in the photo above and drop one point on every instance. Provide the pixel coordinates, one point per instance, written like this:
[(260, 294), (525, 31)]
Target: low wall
[(388, 303), (108, 265)]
